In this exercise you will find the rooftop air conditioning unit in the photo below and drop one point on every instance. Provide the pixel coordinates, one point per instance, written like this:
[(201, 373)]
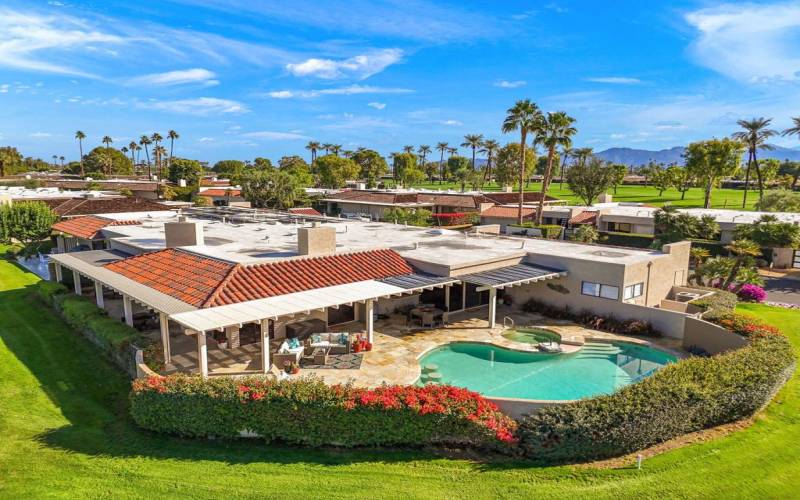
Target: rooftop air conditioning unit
[(686, 296)]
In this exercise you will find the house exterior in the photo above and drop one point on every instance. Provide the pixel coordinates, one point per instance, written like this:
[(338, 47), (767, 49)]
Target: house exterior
[(372, 203), (566, 216), (228, 196), (242, 284)]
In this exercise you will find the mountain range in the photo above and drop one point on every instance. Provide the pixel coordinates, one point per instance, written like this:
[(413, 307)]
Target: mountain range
[(636, 157)]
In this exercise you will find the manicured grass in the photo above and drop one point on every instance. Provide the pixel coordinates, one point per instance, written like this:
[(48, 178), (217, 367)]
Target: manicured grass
[(65, 432), (720, 198)]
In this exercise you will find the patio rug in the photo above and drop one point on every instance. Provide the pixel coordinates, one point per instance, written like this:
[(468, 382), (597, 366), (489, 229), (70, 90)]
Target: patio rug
[(335, 362)]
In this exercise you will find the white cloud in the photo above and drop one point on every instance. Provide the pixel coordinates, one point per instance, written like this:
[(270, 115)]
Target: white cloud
[(359, 67), (4, 88), (749, 42), (451, 123), (179, 77), (274, 136), (199, 106), (349, 90), (377, 105), (24, 38), (614, 80), (352, 122), (206, 139), (615, 136), (40, 135), (669, 125), (506, 84)]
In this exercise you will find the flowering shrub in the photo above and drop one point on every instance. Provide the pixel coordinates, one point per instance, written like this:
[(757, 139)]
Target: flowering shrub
[(309, 412), (745, 325), (603, 322), (453, 218), (752, 293)]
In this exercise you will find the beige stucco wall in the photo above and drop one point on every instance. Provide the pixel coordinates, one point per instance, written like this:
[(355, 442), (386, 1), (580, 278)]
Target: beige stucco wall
[(710, 337), (641, 225), (660, 274), (782, 258)]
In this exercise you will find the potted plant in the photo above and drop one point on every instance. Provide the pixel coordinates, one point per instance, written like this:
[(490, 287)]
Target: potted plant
[(368, 346), (294, 369)]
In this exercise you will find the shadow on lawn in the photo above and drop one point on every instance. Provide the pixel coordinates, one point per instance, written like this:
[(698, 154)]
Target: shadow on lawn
[(93, 395)]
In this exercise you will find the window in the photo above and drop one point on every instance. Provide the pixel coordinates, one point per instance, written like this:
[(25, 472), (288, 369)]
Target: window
[(620, 227), (599, 290), (632, 291)]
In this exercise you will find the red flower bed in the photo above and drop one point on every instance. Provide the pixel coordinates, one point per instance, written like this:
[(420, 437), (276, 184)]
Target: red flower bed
[(745, 325), (307, 411), (453, 218)]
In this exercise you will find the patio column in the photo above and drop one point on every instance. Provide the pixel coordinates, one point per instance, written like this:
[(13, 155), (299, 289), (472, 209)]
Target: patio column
[(76, 277), (98, 294), (163, 321), (265, 361), (492, 307), (369, 319), (202, 354), (127, 307), (59, 273)]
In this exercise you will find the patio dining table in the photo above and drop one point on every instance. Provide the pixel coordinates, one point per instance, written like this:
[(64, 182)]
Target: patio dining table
[(427, 315)]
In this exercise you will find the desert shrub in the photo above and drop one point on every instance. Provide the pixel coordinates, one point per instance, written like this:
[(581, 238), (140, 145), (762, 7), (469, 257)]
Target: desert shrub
[(602, 322), (721, 301), (549, 231), (46, 290), (309, 412), (627, 239), (751, 293), (688, 396)]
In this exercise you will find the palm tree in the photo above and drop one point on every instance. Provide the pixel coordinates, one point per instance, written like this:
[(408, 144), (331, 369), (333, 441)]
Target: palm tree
[(145, 141), (490, 147), (754, 136), (133, 147), (441, 147), (313, 146), (793, 130), (336, 148), (698, 255), (523, 116), (80, 136), (62, 161), (582, 154), (473, 141), (555, 130), (158, 154), (107, 140), (327, 147), (124, 149), (452, 151), (172, 135), (424, 150), (55, 161), (743, 249), (565, 153)]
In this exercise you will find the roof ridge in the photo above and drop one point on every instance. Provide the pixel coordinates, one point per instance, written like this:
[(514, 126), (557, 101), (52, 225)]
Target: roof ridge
[(312, 257), (209, 302)]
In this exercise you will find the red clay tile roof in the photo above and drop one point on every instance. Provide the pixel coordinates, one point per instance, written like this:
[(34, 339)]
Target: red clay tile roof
[(220, 182), (508, 212), (505, 198), (112, 185), (304, 211), (220, 192), (186, 276), (89, 226), (289, 276), (461, 201), (206, 282), (93, 206), (585, 217)]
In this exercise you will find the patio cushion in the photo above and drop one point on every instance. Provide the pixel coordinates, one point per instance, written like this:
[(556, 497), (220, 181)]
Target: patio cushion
[(343, 339)]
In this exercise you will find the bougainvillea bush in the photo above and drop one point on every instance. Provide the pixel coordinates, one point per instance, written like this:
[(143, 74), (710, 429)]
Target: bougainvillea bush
[(745, 325), (752, 293), (309, 412)]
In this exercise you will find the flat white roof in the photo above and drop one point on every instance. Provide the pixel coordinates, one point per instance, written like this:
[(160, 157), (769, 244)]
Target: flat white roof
[(722, 216), (20, 192)]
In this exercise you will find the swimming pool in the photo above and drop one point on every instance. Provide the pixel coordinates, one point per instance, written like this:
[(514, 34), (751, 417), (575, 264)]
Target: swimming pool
[(598, 368), (532, 335)]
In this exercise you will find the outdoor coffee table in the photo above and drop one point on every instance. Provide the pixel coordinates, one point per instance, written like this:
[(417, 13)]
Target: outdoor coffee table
[(320, 355)]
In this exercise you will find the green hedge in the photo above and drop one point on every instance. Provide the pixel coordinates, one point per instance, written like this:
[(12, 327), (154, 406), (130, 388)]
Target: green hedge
[(627, 239), (309, 412), (112, 336), (721, 302), (685, 397), (549, 231)]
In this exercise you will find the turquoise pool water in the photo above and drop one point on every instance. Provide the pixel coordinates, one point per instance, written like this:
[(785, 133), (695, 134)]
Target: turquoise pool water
[(532, 335), (598, 368)]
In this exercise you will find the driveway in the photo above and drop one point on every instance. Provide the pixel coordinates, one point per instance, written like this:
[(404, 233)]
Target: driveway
[(782, 290)]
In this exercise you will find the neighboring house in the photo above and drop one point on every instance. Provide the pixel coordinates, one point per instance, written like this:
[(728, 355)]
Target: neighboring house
[(565, 216), (85, 232), (305, 211), (372, 203), (224, 196), (139, 188), (73, 207), (241, 283)]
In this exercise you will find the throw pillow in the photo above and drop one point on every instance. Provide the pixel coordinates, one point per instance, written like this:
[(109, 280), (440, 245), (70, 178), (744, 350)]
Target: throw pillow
[(294, 343), (343, 339), (316, 339)]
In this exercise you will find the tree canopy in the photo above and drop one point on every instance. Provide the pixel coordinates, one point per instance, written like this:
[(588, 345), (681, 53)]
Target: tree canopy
[(189, 170), (297, 167), (590, 180), (10, 161), (334, 170), (768, 231), (107, 161), (402, 162), (26, 222), (712, 160), (269, 188), (228, 168), (506, 170), (372, 165)]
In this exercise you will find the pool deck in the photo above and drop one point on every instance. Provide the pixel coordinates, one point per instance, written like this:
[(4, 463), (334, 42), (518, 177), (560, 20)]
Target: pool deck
[(397, 349)]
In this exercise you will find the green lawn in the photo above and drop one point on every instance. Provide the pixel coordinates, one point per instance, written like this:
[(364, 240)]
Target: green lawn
[(64, 432), (720, 198)]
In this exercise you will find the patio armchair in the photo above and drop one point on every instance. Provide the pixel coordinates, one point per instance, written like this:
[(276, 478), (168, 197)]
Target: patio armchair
[(287, 353)]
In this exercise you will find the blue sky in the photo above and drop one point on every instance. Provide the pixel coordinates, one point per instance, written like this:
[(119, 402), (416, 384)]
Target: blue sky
[(247, 78)]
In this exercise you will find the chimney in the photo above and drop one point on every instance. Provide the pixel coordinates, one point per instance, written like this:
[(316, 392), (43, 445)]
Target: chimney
[(183, 234), (316, 240)]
